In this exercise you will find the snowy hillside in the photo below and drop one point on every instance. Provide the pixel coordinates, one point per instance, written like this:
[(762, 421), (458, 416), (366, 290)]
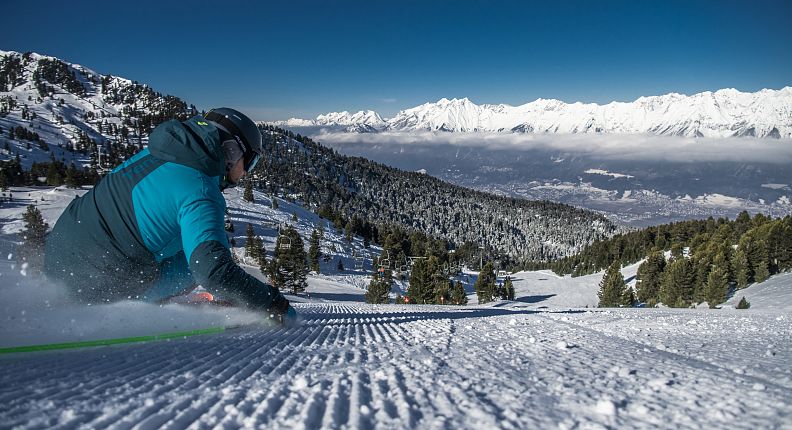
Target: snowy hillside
[(74, 110), (723, 113), (541, 361)]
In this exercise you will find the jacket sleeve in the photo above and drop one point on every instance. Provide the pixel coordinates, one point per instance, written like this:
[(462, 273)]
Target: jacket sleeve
[(204, 241)]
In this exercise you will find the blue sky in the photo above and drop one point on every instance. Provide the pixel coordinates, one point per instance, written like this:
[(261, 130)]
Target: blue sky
[(301, 58)]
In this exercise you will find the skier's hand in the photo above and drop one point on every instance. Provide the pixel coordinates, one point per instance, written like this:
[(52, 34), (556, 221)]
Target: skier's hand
[(281, 312)]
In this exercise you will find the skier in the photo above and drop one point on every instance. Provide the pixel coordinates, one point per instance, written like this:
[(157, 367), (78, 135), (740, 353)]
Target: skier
[(154, 226)]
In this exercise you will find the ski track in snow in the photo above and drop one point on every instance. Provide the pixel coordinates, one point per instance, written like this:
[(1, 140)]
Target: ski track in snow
[(364, 366)]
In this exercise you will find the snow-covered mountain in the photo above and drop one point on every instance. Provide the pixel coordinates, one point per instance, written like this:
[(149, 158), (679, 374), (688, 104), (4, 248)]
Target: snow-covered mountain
[(360, 122), (75, 110), (723, 113)]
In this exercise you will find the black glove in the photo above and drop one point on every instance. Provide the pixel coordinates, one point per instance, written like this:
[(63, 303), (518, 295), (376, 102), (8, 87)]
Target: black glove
[(278, 308)]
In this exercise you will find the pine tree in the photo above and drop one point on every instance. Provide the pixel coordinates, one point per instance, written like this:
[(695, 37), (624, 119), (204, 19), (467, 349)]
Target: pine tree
[(53, 175), (247, 195), (508, 289), (611, 287), (701, 268), (288, 268), (760, 263), (649, 274), (458, 295), (420, 289), (676, 289), (741, 269), (379, 288), (32, 248), (744, 304), (485, 284), (274, 203), (340, 265), (717, 287), (71, 177), (314, 251), (442, 291), (258, 245), (628, 297), (676, 250), (249, 240)]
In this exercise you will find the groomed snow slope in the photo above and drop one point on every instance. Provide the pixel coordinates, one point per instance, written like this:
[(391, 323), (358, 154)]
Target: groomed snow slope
[(541, 361), (361, 366)]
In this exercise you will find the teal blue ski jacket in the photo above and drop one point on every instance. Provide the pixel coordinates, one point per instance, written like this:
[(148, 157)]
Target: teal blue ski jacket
[(156, 219)]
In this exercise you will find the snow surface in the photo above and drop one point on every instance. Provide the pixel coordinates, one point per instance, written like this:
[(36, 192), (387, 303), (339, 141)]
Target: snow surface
[(541, 361)]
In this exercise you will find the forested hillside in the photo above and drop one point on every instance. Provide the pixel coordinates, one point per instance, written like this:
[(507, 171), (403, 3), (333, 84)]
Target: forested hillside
[(513, 229)]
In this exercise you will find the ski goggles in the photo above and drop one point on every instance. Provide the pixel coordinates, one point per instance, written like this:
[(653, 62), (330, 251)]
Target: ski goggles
[(251, 159)]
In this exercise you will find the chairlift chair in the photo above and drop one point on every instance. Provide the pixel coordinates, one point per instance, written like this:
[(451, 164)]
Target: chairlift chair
[(284, 242)]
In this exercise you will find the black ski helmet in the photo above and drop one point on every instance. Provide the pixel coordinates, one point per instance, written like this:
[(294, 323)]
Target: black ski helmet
[(244, 130)]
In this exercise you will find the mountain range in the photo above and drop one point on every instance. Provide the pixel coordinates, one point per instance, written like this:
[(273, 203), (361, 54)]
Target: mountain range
[(723, 113)]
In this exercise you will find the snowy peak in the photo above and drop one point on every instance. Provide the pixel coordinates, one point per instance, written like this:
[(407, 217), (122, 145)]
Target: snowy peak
[(368, 117), (723, 113), (361, 121)]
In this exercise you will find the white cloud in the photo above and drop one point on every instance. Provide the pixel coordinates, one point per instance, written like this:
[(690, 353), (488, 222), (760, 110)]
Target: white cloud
[(605, 146)]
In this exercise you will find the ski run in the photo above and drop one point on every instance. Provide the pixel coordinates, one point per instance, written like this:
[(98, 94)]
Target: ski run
[(546, 360)]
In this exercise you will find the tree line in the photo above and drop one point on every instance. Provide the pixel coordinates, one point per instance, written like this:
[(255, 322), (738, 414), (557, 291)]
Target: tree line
[(705, 262)]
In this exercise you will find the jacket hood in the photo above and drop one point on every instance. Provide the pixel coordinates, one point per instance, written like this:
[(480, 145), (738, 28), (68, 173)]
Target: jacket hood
[(194, 143)]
